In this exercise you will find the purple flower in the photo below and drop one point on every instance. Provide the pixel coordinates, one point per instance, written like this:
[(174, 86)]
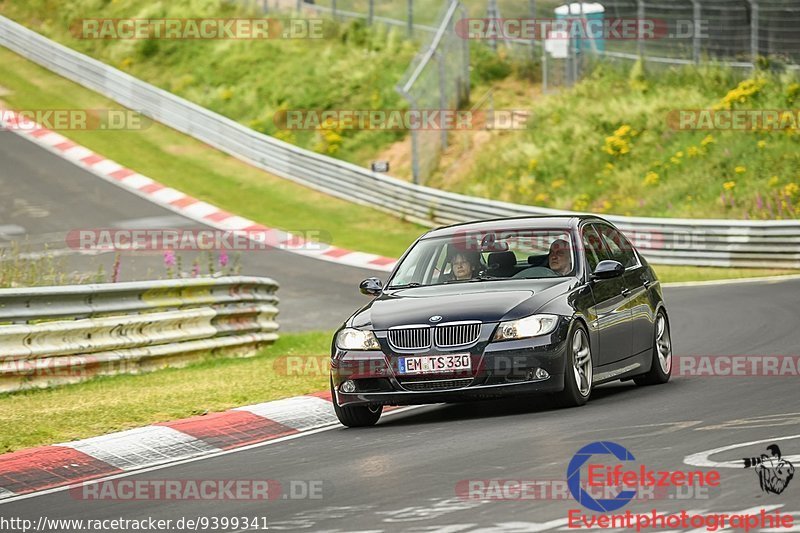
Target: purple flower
[(223, 259), (169, 258), (759, 201), (116, 268)]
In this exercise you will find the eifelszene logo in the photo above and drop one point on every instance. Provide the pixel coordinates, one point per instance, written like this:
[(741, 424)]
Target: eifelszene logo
[(627, 482), (774, 472)]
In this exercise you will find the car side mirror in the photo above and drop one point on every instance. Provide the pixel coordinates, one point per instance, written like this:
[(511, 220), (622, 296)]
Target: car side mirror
[(372, 286), (608, 269)]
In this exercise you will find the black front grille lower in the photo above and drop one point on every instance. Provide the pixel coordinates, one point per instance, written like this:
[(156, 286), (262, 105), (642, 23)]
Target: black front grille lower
[(435, 385)]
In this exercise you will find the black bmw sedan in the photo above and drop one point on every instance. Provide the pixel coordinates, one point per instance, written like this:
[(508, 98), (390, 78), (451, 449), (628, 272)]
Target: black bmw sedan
[(503, 307)]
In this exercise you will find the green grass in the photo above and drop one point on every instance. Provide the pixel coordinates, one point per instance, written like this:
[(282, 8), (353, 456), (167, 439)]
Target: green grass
[(606, 147), (677, 274), (193, 167), (115, 403), (351, 67)]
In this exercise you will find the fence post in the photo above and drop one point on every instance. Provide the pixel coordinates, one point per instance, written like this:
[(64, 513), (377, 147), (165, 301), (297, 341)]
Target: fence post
[(492, 13), (333, 9), (371, 12), (754, 14), (442, 94), (467, 82), (532, 9), (299, 7), (640, 38), (410, 18), (696, 14)]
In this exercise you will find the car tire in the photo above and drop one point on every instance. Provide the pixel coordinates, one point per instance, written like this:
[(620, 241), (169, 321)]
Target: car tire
[(578, 370), (357, 415), (661, 365)]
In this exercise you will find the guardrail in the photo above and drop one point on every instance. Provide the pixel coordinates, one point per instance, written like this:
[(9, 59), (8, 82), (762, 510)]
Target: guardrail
[(672, 241), (57, 335)]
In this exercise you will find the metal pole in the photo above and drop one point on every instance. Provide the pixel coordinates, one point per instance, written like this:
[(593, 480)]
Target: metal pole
[(532, 9), (465, 58), (491, 13), (299, 5), (371, 12), (754, 31), (640, 37), (410, 18), (579, 44), (442, 93), (333, 9), (696, 28)]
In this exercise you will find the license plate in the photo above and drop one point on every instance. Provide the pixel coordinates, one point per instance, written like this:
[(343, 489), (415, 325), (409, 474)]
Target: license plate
[(434, 363)]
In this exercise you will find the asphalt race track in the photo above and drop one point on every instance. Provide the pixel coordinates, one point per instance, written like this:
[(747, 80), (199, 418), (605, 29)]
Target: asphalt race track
[(402, 474), (42, 197)]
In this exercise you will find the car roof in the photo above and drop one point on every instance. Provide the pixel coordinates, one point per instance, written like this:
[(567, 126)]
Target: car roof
[(565, 222)]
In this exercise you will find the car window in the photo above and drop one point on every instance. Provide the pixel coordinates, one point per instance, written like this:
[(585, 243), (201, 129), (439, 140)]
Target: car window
[(595, 252), (487, 256), (621, 249)]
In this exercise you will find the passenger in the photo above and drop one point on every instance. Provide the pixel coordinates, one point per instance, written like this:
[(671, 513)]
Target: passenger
[(465, 265), (559, 259)]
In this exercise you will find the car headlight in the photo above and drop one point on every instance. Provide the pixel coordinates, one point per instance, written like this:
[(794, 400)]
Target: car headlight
[(356, 339), (530, 326)]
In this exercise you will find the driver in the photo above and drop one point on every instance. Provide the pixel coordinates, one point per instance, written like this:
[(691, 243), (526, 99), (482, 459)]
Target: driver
[(559, 259), (465, 265)]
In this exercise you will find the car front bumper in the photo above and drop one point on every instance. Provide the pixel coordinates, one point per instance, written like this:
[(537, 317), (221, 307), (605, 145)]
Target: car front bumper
[(500, 369)]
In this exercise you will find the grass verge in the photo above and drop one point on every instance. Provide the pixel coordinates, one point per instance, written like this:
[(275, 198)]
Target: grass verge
[(115, 403), (204, 172), (193, 167)]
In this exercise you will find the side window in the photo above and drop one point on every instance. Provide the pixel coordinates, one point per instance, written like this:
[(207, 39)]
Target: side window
[(593, 246), (621, 249)]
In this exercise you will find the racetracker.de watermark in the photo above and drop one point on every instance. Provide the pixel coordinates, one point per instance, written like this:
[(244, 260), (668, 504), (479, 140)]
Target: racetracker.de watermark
[(401, 119), (127, 489), (570, 28), (190, 240), (28, 120), (558, 489), (737, 365), (733, 119), (198, 28)]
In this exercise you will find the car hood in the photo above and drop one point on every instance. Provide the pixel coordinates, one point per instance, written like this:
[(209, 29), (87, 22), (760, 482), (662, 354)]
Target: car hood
[(488, 301)]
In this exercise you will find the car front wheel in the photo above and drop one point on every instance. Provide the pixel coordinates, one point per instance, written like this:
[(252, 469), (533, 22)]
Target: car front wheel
[(579, 369)]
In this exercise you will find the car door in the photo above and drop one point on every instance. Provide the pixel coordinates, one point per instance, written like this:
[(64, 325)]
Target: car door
[(612, 314), (637, 282)]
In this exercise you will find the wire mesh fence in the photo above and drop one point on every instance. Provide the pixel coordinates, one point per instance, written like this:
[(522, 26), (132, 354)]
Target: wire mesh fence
[(437, 79), (737, 33)]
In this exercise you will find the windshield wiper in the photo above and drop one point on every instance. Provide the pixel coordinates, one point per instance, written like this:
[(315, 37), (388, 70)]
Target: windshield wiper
[(406, 286)]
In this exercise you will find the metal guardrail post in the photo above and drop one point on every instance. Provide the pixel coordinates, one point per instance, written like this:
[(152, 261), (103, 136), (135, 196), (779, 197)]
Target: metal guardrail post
[(371, 12)]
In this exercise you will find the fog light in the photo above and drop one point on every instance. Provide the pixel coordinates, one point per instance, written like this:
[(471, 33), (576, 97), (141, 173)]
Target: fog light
[(348, 386), (541, 373)]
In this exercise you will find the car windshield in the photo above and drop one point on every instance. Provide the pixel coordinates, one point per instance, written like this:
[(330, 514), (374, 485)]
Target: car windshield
[(487, 256)]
